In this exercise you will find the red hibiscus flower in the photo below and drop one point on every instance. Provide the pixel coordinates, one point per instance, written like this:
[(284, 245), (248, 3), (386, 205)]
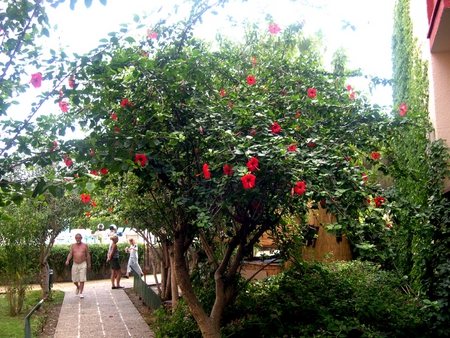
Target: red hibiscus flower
[(125, 221), (206, 172), (94, 204), (110, 209), (67, 160), (364, 177), (141, 159), (85, 198), (352, 95), (274, 29), (230, 105), (252, 165), (348, 159), (311, 144), (151, 34), (379, 201), (228, 170), (114, 116), (55, 144), (349, 87), (300, 187), (64, 106), (36, 80), (252, 132), (116, 130), (298, 114), (126, 102), (92, 152), (402, 109), (292, 147), (88, 214), (248, 181), (312, 92), (93, 172), (222, 92), (254, 62), (375, 155), (251, 80), (103, 171), (275, 127)]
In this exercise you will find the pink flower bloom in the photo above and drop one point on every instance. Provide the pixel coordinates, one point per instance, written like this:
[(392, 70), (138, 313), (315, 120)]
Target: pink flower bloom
[(275, 128), (64, 106), (248, 181), (151, 34), (292, 147), (141, 159), (352, 95), (206, 172), (402, 109), (72, 82), (274, 29), (252, 165), (312, 92), (349, 87), (300, 187), (251, 80), (36, 80), (228, 170)]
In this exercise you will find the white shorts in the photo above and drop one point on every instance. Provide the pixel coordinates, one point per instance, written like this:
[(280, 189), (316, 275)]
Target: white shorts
[(79, 272)]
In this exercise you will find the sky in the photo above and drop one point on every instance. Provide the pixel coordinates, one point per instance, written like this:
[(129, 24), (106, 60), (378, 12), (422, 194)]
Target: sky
[(367, 38)]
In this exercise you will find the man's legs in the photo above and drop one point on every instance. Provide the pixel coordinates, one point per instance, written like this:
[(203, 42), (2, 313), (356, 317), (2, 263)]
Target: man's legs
[(78, 288)]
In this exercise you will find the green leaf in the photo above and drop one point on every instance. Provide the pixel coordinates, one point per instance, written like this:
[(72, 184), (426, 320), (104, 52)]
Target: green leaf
[(130, 39), (90, 186), (136, 18), (45, 32)]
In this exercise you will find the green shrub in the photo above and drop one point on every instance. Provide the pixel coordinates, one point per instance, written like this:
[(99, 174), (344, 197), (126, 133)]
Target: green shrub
[(353, 299)]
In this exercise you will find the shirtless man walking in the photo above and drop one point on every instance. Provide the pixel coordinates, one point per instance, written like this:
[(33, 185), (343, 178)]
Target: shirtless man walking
[(81, 262)]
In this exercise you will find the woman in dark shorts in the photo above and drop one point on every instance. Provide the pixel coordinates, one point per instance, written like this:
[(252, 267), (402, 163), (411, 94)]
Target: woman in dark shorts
[(113, 259)]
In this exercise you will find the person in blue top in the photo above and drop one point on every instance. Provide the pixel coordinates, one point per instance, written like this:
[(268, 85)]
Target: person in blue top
[(133, 260), (113, 259)]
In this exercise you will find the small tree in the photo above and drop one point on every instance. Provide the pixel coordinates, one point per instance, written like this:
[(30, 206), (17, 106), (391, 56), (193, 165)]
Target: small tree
[(248, 132)]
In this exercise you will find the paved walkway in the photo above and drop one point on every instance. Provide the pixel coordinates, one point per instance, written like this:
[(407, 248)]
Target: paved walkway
[(102, 312)]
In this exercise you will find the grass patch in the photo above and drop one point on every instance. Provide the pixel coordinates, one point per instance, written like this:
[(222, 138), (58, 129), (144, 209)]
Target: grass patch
[(13, 327)]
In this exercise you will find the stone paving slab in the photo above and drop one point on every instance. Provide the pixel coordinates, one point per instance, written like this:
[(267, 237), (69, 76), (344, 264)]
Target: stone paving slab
[(102, 312)]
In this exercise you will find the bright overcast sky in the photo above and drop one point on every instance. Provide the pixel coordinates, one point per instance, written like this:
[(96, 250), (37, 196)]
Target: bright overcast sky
[(368, 45)]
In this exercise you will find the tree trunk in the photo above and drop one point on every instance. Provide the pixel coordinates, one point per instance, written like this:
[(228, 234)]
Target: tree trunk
[(209, 326), (173, 279), (45, 285)]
